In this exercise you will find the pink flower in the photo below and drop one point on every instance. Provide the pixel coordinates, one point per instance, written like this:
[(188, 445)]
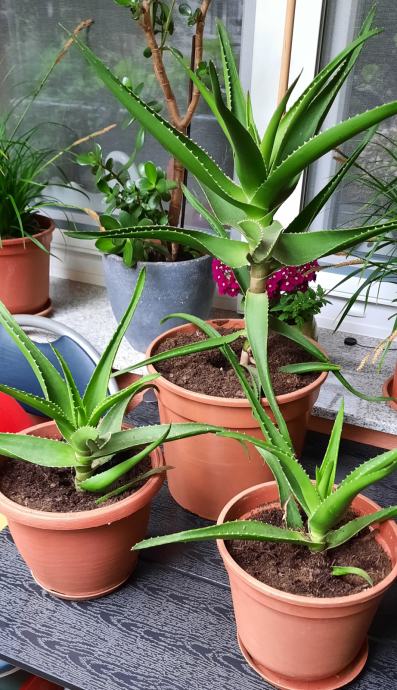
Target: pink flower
[(286, 279)]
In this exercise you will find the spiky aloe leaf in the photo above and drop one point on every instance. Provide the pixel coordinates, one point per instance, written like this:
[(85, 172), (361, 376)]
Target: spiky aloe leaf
[(227, 213), (295, 334), (257, 324), (325, 477), (77, 411), (36, 450), (45, 407), (284, 178), (140, 478), (193, 158), (101, 481), (239, 529), (50, 380), (269, 136), (346, 532), (306, 367), (231, 252), (123, 395), (304, 219), (236, 101), (293, 249), (342, 570), (294, 122), (97, 386), (250, 167)]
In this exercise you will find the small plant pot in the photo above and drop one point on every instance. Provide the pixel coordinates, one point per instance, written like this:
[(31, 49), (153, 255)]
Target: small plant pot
[(209, 470), (87, 554), (180, 286), (298, 642), (389, 389), (25, 271)]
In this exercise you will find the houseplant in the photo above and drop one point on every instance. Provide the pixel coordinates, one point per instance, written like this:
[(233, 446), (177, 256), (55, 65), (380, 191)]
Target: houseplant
[(296, 625), (172, 283), (268, 169), (75, 546)]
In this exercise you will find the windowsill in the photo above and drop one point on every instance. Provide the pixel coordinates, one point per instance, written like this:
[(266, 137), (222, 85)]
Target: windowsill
[(86, 309)]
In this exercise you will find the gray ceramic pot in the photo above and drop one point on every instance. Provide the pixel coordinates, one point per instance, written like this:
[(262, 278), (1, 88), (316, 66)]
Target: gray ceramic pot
[(183, 286)]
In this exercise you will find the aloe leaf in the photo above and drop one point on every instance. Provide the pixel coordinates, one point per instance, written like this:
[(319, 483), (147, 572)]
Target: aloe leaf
[(357, 393), (334, 506), (341, 64), (267, 240), (226, 212), (36, 450), (46, 407), (346, 532), (341, 570), (236, 101), (97, 386), (231, 252), (306, 367), (141, 478), (50, 380), (77, 412), (99, 482), (257, 325), (250, 167), (238, 529), (193, 158), (298, 248), (304, 219), (251, 125), (123, 395), (293, 333), (286, 175), (325, 478), (271, 130)]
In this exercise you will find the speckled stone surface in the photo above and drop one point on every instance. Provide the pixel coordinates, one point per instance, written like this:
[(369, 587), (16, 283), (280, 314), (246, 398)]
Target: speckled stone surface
[(86, 309)]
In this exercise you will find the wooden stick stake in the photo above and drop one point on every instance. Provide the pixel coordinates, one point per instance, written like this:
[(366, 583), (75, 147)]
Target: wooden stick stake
[(287, 48)]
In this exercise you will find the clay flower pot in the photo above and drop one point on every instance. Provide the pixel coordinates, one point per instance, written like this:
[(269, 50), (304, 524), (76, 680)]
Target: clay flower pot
[(209, 470), (25, 271), (298, 642), (390, 389), (86, 554)]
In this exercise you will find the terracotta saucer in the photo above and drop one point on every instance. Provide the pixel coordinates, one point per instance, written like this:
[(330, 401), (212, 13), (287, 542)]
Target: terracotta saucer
[(284, 683), (46, 311)]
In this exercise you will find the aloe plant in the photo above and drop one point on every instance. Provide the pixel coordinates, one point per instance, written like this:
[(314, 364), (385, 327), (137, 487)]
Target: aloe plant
[(268, 168), (313, 510), (90, 424)]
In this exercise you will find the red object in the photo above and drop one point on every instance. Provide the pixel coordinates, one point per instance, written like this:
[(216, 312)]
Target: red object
[(35, 683), (13, 417)]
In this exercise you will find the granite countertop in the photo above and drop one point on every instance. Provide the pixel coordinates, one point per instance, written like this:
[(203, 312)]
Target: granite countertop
[(86, 308)]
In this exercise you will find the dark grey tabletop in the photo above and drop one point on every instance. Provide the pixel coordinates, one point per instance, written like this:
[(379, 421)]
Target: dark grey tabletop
[(171, 626)]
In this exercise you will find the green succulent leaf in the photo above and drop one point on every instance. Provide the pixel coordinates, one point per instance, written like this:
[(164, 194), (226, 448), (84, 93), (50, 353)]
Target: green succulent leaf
[(306, 367), (236, 101), (325, 478), (342, 570), (123, 395), (346, 532), (45, 407), (269, 136), (140, 478), (44, 452), (239, 529)]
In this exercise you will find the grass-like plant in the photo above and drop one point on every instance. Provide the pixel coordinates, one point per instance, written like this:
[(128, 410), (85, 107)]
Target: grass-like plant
[(313, 510), (268, 168), (90, 424)]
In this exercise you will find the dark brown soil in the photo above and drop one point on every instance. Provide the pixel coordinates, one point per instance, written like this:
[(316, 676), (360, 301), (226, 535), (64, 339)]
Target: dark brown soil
[(53, 490), (211, 374), (297, 570)]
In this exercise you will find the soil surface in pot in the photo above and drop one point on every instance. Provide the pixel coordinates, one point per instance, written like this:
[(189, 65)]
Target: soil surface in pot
[(210, 373), (53, 490), (297, 570)]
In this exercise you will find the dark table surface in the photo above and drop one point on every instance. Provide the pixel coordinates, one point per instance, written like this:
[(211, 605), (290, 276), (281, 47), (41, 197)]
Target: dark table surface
[(171, 627)]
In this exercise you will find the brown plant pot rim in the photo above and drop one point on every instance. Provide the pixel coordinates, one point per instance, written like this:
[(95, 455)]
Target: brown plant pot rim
[(84, 519), (214, 399), (387, 391), (16, 241), (296, 599)]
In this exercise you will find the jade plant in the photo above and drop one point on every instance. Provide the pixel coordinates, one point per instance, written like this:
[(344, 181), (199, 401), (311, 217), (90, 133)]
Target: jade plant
[(312, 510), (268, 169), (90, 424)]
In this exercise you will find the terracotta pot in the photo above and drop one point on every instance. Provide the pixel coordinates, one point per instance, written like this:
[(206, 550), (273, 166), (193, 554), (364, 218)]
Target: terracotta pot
[(389, 389), (209, 470), (86, 554), (299, 642), (25, 270)]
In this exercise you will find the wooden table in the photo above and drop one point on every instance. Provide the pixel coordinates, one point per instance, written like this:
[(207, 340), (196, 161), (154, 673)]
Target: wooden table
[(171, 626)]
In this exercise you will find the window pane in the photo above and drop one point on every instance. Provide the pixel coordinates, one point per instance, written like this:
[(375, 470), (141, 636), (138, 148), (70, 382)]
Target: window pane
[(74, 98)]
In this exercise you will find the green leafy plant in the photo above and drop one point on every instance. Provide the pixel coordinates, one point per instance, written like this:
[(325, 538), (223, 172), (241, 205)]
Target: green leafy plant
[(268, 168), (298, 308), (90, 424), (137, 202), (313, 510)]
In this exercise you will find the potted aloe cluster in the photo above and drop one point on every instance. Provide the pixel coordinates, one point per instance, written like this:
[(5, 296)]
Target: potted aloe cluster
[(77, 489), (268, 168), (308, 561)]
